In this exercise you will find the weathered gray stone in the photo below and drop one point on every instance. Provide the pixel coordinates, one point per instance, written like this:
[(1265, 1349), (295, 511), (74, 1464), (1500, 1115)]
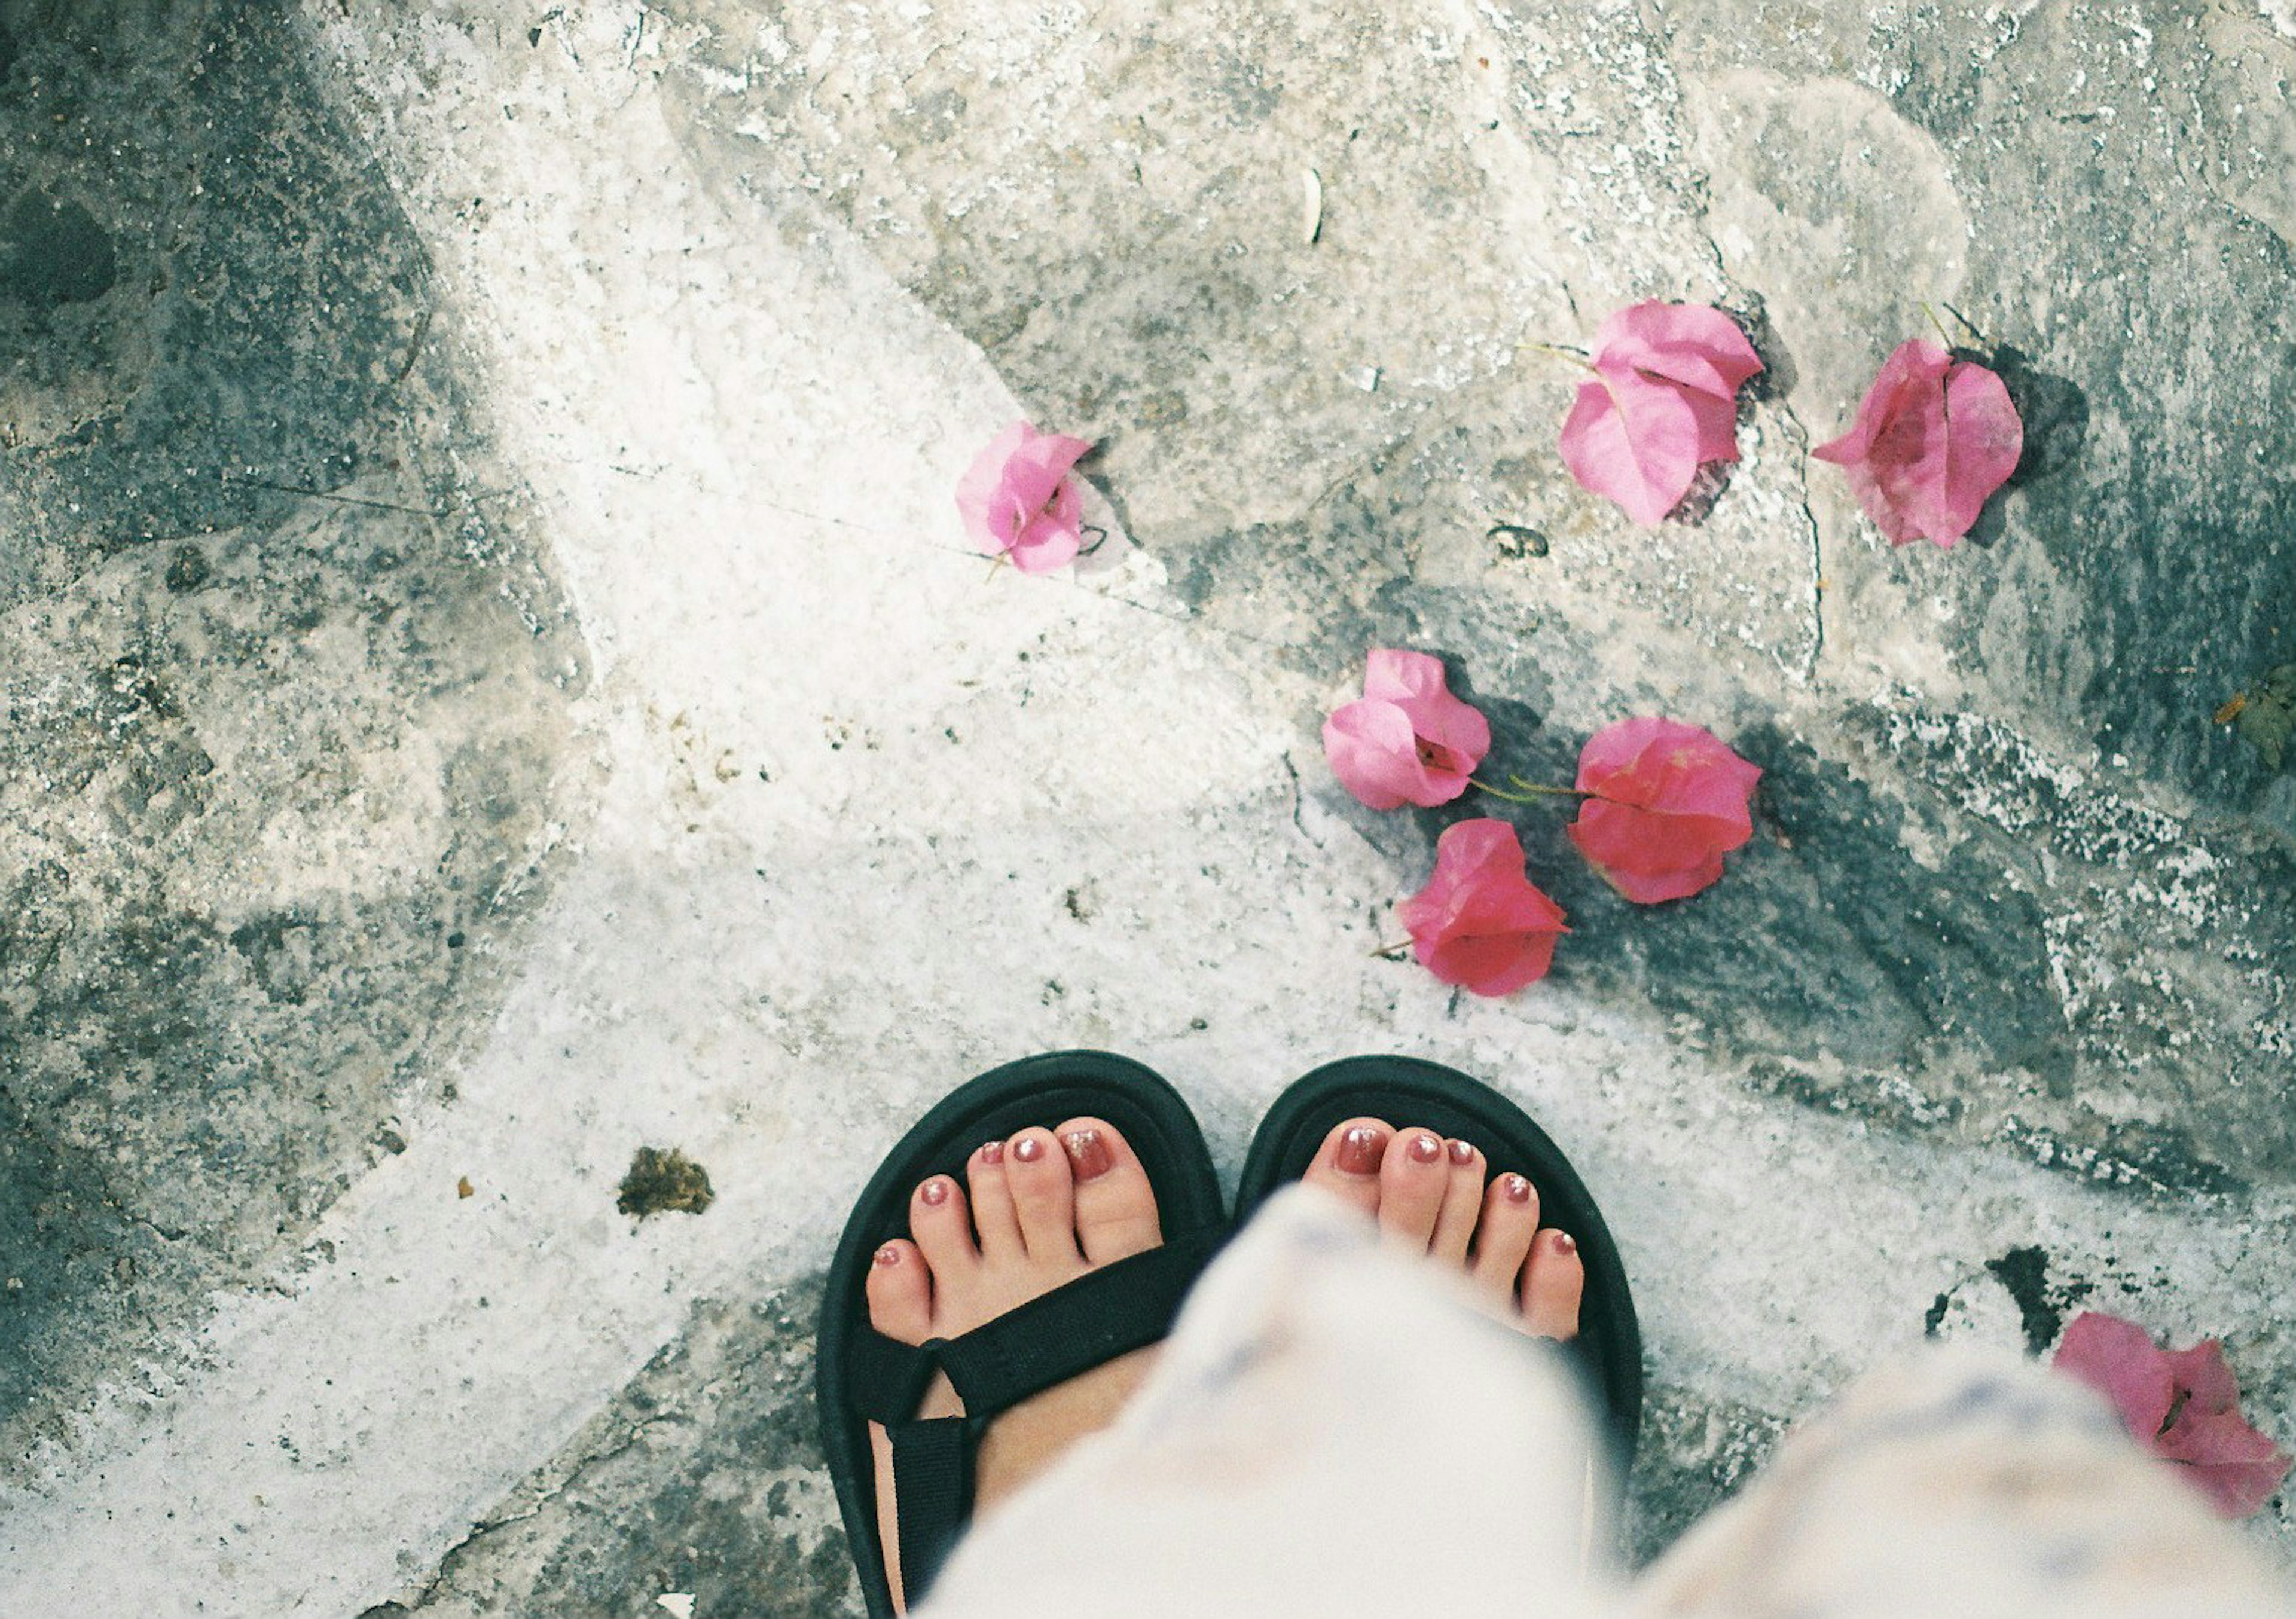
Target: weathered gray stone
[(1993, 1019), (284, 683), (703, 1477)]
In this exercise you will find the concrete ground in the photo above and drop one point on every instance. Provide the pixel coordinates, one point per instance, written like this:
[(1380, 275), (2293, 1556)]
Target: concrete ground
[(493, 681)]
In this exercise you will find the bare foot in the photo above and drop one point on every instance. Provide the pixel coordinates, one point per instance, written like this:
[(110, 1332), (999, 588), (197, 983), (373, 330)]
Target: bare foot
[(1430, 1196), (1036, 1210)]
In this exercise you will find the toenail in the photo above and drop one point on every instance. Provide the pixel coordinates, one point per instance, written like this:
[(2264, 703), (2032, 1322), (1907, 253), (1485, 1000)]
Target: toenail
[(1027, 1149), (992, 1152), (934, 1191), (1426, 1148), (1360, 1150), (889, 1255), (1088, 1153), (1518, 1189), (1565, 1243), (1461, 1153)]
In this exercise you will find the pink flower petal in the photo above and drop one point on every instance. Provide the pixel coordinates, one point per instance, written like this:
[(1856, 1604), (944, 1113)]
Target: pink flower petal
[(1634, 441), (1693, 344), (1670, 800), (1479, 922), (1415, 682), (1374, 753), (1407, 740), (1933, 439), (2239, 1469), (2120, 1362), (1016, 498), (1648, 858)]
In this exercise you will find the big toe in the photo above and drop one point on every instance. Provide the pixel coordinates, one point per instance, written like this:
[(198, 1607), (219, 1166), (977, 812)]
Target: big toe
[(1346, 1164), (900, 1293), (1115, 1206)]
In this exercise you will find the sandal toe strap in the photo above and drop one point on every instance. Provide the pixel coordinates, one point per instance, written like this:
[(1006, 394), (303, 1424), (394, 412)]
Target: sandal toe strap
[(1052, 1338)]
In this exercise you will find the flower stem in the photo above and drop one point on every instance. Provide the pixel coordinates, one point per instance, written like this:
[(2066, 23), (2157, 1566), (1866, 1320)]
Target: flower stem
[(1389, 953), (1943, 335), (1500, 792), (1528, 792), (1571, 354)]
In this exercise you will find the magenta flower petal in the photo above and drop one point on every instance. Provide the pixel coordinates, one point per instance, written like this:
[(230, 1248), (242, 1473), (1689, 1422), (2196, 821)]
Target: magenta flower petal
[(1663, 402), (2182, 1405), (1693, 344), (1670, 800), (1407, 740), (1017, 499), (1934, 437), (1632, 441), (1374, 754), (1480, 923)]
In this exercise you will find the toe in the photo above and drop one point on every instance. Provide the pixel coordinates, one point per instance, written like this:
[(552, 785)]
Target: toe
[(1115, 1209), (1412, 1180), (900, 1293), (1463, 1203), (1552, 1285), (1502, 1237), (1347, 1164), (993, 1215), (1044, 1195), (942, 1226)]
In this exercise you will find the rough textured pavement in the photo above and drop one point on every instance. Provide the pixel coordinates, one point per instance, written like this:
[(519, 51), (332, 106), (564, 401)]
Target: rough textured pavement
[(492, 680)]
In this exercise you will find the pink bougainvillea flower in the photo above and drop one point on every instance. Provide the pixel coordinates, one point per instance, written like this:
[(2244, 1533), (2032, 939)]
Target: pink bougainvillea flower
[(1019, 502), (1408, 740), (1664, 400), (1935, 437), (2181, 1404), (1669, 800), (1479, 922)]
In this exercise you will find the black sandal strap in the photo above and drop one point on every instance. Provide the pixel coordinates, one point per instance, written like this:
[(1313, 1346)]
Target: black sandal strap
[(933, 1494), (890, 1377), (1053, 1337)]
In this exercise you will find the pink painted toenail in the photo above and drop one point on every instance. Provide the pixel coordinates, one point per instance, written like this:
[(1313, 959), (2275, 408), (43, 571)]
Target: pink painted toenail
[(1461, 1153), (1426, 1148), (1027, 1149), (889, 1255), (1565, 1243), (992, 1152), (1088, 1153), (1361, 1149), (934, 1191), (1518, 1189)]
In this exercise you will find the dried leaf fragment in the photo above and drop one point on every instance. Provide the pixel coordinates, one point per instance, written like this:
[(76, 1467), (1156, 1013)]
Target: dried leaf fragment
[(2265, 715), (660, 1180)]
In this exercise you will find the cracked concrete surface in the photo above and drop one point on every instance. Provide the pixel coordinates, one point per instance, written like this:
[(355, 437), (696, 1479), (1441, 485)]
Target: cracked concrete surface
[(493, 682)]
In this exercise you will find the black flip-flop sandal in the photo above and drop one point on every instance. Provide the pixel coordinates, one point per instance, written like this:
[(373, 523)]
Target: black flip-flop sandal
[(1407, 1091), (861, 1376)]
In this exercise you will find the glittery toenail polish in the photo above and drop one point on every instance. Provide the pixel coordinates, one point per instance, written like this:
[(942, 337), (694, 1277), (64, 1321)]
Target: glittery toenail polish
[(1426, 1148), (1088, 1152), (1462, 1153), (1361, 1149)]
